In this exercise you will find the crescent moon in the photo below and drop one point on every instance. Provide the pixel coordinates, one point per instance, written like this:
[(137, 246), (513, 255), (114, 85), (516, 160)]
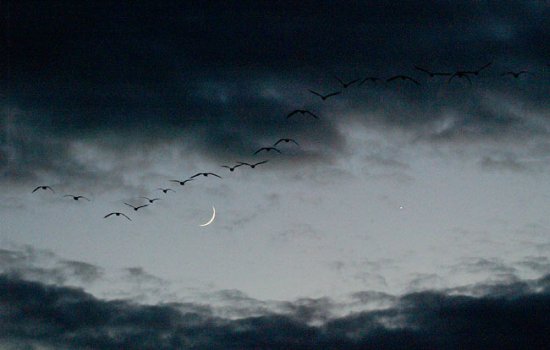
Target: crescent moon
[(212, 218)]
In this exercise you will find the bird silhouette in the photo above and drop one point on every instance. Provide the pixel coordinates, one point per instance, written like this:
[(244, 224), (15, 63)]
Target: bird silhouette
[(267, 149), (324, 97), (138, 207), (151, 200), (182, 182), (43, 188), (402, 77), (205, 174), (165, 190), (76, 197), (117, 214), (432, 74), (231, 168), (515, 74), (373, 79), (344, 84), (285, 140), (254, 165), (303, 112)]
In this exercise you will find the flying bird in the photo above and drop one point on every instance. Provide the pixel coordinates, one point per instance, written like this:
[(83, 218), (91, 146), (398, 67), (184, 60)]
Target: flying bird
[(231, 168), (373, 79), (138, 207), (267, 149), (151, 200), (117, 214), (515, 74), (432, 74), (205, 174), (402, 77), (182, 182), (165, 190), (302, 112), (253, 165), (43, 188), (287, 141), (344, 84), (324, 97), (76, 197)]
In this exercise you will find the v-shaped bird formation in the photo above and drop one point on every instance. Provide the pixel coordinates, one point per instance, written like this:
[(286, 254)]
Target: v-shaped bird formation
[(467, 75)]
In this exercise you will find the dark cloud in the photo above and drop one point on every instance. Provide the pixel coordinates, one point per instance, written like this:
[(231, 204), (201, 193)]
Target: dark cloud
[(507, 316), (220, 78)]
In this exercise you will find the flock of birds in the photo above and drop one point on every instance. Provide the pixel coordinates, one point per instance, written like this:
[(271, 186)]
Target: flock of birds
[(460, 74), (165, 190)]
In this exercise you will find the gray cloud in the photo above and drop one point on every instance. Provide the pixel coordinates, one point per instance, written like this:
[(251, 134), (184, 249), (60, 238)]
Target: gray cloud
[(502, 163), (506, 316), (42, 265)]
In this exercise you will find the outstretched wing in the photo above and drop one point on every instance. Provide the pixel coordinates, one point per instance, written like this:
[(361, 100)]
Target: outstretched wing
[(311, 114), (216, 175), (485, 66), (292, 113), (422, 70), (294, 141), (316, 93), (131, 206), (333, 94), (262, 162), (411, 79)]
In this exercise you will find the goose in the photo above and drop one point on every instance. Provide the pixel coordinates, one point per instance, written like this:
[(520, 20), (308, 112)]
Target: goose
[(43, 188), (324, 97), (117, 214)]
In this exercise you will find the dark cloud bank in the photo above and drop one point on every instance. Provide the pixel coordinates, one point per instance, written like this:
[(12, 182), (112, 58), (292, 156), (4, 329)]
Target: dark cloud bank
[(220, 77), (507, 316)]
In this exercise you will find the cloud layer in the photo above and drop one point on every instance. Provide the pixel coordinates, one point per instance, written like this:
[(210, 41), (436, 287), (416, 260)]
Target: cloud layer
[(220, 79), (507, 316)]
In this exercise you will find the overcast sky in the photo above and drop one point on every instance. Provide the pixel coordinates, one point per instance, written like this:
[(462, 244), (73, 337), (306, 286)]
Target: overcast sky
[(400, 199)]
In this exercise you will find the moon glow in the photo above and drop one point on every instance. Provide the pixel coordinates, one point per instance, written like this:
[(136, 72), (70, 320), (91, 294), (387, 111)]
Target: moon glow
[(211, 219)]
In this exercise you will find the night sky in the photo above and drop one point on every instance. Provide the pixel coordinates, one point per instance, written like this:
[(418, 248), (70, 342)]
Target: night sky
[(402, 214)]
